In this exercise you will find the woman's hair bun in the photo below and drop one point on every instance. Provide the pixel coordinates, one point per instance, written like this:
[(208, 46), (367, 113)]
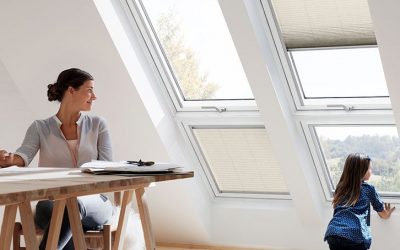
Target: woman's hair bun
[(53, 94), (72, 77)]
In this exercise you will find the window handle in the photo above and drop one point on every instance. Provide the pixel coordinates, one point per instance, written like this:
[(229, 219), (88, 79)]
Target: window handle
[(219, 110), (345, 107)]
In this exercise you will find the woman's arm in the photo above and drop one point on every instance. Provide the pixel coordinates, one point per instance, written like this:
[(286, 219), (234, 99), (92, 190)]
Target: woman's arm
[(104, 146), (24, 154), (10, 159), (385, 214), (30, 145)]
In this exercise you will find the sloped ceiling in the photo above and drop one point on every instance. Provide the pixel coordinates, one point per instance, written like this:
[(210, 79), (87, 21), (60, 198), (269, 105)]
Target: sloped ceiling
[(39, 39)]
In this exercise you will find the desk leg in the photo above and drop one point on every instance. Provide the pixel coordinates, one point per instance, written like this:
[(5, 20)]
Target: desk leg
[(123, 220), (28, 225), (145, 219), (76, 224), (55, 224), (7, 226)]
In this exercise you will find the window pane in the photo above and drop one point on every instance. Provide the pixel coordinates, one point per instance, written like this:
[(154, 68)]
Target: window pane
[(340, 73), (197, 43), (241, 160), (381, 143)]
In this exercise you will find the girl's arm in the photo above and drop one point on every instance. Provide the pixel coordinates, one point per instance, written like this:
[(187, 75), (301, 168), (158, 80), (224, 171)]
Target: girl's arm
[(385, 214)]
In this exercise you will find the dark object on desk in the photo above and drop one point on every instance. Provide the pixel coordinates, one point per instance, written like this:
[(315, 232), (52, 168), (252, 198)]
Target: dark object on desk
[(141, 163)]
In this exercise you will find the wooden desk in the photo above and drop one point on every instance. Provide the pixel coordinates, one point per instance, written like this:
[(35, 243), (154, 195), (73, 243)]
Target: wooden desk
[(20, 186)]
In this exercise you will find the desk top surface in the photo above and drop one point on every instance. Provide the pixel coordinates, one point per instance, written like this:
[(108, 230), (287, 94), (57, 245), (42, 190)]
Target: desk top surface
[(20, 184)]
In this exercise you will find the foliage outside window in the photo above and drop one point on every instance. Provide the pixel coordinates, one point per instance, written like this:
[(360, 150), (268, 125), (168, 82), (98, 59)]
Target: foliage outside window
[(381, 143), (193, 83), (200, 51)]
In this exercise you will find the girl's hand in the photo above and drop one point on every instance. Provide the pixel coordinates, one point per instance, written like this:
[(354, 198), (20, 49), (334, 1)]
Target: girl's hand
[(389, 208), (385, 214)]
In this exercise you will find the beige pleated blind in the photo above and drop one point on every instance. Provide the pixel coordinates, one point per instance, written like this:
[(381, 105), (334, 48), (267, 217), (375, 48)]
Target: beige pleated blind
[(241, 160), (324, 23)]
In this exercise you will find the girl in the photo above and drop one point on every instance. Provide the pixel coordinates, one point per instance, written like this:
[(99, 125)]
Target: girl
[(350, 226), (67, 139)]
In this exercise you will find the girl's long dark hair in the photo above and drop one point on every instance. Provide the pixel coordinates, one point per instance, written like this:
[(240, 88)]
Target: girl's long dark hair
[(349, 187)]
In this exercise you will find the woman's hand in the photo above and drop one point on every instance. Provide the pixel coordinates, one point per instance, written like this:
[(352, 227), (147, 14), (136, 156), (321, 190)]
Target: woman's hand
[(6, 159), (385, 214)]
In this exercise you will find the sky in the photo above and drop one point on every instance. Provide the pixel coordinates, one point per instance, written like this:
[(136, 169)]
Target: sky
[(341, 72), (342, 132)]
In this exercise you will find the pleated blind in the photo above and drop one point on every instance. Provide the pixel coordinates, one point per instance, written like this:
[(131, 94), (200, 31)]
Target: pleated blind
[(324, 23), (241, 160)]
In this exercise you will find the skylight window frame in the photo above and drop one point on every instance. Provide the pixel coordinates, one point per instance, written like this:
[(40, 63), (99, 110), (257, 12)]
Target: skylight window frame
[(191, 117), (308, 128), (243, 115), (319, 115), (233, 123), (294, 85), (334, 100), (163, 67)]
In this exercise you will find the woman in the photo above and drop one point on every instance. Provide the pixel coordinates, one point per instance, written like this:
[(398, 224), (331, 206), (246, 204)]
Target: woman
[(67, 139), (350, 226)]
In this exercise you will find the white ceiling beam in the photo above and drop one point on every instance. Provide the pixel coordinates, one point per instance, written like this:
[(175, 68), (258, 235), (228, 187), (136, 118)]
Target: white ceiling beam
[(386, 19), (290, 147)]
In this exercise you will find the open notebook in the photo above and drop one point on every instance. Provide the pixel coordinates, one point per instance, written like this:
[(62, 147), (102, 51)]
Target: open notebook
[(125, 168)]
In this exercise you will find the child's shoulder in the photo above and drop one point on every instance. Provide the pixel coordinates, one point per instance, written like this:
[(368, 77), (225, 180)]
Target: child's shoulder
[(368, 186)]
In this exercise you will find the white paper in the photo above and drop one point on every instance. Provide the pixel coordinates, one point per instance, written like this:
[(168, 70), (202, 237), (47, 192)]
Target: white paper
[(104, 164), (122, 166)]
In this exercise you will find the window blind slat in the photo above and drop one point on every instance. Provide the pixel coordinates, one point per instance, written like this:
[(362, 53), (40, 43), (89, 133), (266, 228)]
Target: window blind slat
[(241, 160), (324, 23)]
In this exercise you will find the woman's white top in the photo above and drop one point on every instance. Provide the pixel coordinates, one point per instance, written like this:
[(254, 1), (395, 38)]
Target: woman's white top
[(73, 149), (45, 136), (72, 144)]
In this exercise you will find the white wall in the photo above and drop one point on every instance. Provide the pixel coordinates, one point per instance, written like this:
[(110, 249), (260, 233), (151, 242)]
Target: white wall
[(41, 38)]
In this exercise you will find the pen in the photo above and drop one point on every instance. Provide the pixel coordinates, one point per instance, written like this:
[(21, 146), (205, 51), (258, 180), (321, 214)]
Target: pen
[(141, 163)]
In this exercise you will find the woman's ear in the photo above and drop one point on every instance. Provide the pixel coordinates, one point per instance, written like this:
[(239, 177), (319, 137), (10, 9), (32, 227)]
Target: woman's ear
[(71, 90)]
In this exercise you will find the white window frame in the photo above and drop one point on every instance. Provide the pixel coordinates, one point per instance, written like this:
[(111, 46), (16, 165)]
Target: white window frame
[(232, 122), (240, 113), (334, 101), (318, 115), (307, 127), (170, 83), (291, 75), (246, 115)]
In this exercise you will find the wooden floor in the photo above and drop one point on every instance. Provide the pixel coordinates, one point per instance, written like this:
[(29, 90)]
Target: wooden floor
[(175, 248), (205, 248), (198, 247)]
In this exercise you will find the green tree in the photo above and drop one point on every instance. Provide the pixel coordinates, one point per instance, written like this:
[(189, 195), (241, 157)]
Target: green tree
[(383, 150), (193, 83)]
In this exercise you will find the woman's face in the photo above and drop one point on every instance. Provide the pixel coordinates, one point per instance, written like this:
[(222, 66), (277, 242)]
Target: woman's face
[(84, 96), (368, 173)]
